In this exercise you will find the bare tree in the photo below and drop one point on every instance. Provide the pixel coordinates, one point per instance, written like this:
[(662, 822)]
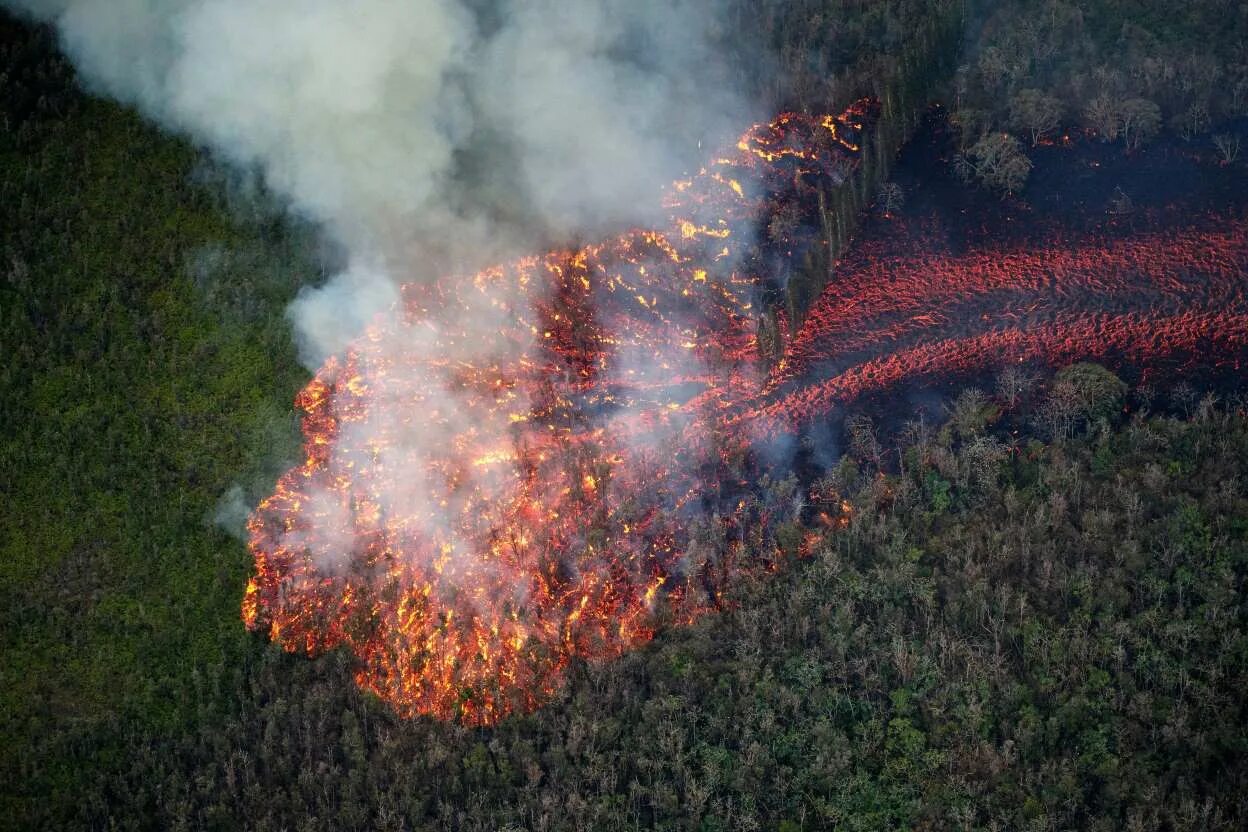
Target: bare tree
[(1013, 384), (1081, 393), (770, 336), (784, 222), (863, 442), (1197, 75), (890, 199), (1192, 122), (1102, 115), (1185, 396), (970, 124), (961, 85), (971, 412), (1120, 203), (1036, 113), (917, 434), (993, 66), (979, 463), (963, 168), (1058, 413), (1239, 95), (1228, 147), (1139, 120)]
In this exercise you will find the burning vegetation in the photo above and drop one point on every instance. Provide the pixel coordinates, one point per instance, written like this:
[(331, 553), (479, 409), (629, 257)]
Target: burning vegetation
[(469, 520), (549, 516)]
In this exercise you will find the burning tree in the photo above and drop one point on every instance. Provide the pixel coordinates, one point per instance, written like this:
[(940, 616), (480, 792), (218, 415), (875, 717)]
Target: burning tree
[(468, 522)]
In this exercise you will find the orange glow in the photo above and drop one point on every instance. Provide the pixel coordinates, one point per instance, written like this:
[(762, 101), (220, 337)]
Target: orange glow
[(467, 573), (548, 519)]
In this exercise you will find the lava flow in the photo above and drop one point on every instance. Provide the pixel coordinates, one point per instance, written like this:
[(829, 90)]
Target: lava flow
[(474, 511), (502, 477)]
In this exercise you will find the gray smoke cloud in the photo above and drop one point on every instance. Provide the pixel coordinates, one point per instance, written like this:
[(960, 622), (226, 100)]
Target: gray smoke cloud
[(428, 136)]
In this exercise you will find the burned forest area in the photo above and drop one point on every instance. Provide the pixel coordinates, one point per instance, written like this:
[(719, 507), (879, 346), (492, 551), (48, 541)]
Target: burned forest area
[(475, 415)]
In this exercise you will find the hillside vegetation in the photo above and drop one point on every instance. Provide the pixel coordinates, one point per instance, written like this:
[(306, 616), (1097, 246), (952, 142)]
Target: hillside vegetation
[(147, 367)]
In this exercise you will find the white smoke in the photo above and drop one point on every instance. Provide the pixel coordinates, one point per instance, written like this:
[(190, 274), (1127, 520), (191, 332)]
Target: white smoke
[(327, 318), (426, 135)]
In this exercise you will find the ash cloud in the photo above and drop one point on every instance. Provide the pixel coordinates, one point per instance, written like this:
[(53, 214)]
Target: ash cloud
[(428, 136)]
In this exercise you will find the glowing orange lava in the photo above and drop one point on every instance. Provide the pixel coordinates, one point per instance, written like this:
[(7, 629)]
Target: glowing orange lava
[(474, 513), (469, 517)]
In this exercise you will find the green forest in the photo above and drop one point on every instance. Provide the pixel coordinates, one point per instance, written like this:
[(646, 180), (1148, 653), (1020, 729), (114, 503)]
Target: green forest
[(1035, 617), (1048, 636)]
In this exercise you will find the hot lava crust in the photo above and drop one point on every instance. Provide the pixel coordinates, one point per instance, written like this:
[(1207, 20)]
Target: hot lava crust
[(470, 518)]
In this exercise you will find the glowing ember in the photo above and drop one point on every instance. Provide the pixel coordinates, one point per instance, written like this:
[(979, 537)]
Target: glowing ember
[(470, 517)]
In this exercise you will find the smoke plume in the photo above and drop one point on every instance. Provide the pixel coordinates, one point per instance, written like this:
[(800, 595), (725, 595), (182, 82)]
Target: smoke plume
[(428, 136)]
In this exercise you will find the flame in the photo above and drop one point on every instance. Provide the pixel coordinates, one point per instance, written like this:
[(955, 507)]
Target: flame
[(533, 534), (542, 513)]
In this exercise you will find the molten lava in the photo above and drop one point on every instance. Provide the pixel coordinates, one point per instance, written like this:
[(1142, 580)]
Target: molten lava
[(474, 510)]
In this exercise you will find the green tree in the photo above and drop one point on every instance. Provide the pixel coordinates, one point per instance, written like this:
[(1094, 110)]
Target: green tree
[(999, 163)]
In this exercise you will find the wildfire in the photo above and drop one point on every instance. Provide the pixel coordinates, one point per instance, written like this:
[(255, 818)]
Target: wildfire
[(470, 518), (467, 520)]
